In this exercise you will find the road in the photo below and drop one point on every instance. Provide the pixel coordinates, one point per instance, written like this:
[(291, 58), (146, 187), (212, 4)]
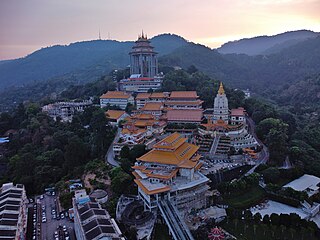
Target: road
[(264, 154), (110, 154)]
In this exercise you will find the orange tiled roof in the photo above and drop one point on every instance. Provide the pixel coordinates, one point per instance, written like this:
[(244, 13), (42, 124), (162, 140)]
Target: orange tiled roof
[(114, 114), (172, 142), (150, 192), (115, 94), (144, 123), (133, 131), (143, 116), (194, 115), (143, 96), (158, 95), (152, 106), (197, 102), (183, 94), (171, 158)]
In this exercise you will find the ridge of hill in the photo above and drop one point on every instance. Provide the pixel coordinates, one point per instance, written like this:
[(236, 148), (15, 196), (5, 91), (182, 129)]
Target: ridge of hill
[(266, 44)]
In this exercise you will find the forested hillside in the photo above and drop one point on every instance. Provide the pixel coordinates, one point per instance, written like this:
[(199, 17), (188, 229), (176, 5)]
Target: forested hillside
[(81, 62)]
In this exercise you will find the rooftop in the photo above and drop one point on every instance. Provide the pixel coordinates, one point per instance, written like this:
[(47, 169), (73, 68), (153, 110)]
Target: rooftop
[(173, 150), (194, 115), (158, 95), (305, 183), (143, 96), (115, 114), (237, 112), (151, 106), (183, 94), (115, 94)]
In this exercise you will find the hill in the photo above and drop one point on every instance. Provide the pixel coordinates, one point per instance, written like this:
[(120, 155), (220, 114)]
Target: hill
[(259, 73), (266, 44), (96, 57)]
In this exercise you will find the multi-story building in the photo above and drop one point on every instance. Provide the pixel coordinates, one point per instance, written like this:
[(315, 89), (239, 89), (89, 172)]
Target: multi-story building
[(65, 110), (13, 212), (143, 68), (116, 98), (91, 221), (153, 108), (183, 100), (170, 171)]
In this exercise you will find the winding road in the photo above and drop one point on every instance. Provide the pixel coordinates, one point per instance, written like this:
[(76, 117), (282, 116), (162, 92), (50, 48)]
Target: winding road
[(109, 158), (264, 154)]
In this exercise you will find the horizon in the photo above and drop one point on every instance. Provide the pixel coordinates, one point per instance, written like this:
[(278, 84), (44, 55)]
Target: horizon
[(102, 39), (29, 26)]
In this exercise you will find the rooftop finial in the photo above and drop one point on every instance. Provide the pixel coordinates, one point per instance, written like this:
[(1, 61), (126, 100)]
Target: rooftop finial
[(142, 35), (99, 34), (221, 89)]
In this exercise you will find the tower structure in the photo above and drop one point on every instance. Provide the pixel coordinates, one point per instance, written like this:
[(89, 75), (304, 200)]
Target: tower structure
[(143, 58), (220, 108)]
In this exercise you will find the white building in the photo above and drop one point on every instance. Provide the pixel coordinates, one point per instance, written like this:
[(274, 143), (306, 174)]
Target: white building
[(116, 98), (13, 212), (65, 110), (221, 109)]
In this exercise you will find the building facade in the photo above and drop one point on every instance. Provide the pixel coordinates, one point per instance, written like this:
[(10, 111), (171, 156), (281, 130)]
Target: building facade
[(116, 98), (13, 212), (170, 171), (91, 221)]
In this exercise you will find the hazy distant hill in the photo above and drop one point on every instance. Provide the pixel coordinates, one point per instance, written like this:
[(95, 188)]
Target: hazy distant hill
[(255, 72), (266, 44), (83, 60)]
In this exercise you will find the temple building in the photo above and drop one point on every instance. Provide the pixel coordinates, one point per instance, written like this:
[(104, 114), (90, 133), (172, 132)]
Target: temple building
[(140, 128), (225, 128), (170, 172), (116, 98), (143, 68), (220, 109)]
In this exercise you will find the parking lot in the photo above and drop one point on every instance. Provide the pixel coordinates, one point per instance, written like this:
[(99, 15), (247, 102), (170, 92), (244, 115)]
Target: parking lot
[(48, 222), (212, 166)]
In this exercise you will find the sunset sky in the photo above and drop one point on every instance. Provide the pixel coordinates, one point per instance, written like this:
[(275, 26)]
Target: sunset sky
[(26, 26)]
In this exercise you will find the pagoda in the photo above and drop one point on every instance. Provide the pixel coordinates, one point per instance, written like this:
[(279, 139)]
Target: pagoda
[(143, 68)]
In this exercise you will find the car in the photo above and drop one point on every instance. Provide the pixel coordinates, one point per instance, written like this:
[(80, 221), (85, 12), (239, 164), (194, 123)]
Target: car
[(56, 235), (41, 197), (67, 238), (54, 216), (30, 200), (62, 216), (43, 207), (53, 193), (44, 219), (53, 211), (43, 214), (64, 228), (58, 217)]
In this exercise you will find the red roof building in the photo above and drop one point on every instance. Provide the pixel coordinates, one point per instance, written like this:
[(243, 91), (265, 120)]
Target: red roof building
[(184, 116)]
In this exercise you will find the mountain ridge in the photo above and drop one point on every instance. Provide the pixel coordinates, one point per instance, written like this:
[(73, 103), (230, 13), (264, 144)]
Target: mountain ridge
[(264, 44)]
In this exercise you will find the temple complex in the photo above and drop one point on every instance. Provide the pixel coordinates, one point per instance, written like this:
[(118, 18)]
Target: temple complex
[(143, 68), (225, 128)]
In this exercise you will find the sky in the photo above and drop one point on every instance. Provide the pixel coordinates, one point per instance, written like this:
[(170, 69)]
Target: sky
[(28, 25)]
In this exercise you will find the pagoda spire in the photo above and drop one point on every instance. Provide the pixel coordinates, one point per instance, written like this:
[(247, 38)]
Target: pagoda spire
[(221, 89)]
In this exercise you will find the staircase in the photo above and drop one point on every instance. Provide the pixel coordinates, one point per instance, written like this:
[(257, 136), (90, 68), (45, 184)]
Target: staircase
[(176, 224)]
